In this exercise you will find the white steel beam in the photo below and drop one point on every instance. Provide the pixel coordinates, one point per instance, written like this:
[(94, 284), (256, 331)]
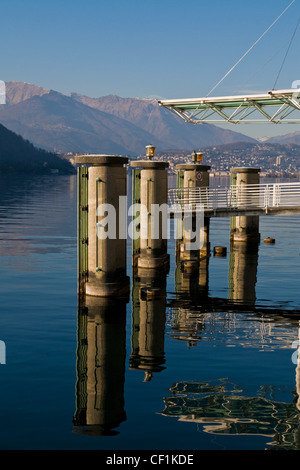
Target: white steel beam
[(207, 109)]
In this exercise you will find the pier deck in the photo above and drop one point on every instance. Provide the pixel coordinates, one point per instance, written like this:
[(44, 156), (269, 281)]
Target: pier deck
[(234, 201)]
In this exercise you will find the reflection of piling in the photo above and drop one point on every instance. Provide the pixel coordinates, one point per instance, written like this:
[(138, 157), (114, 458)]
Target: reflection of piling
[(102, 229), (243, 272), (150, 190), (190, 290), (296, 357), (101, 355), (245, 229), (187, 278), (204, 276), (148, 322), (192, 278)]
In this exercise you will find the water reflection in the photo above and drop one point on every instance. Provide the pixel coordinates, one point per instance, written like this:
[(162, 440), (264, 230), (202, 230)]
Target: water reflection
[(148, 321), (27, 226), (191, 286), (238, 335), (243, 272), (237, 320), (222, 408), (101, 355), (195, 317)]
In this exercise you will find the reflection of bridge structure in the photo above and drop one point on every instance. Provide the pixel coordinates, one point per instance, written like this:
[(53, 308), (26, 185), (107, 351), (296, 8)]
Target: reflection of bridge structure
[(195, 316), (222, 409), (237, 200)]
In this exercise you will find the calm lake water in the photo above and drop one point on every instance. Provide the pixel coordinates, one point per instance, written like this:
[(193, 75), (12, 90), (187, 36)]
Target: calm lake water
[(193, 370)]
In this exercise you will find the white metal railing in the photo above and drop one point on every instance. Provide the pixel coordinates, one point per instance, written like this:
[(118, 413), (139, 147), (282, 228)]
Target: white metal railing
[(260, 196)]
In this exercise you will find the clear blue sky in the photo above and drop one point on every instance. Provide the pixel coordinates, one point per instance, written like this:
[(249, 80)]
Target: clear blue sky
[(139, 48)]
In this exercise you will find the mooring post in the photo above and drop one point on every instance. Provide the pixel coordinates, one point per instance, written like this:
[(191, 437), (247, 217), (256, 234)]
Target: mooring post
[(191, 176), (245, 229), (102, 220), (151, 194)]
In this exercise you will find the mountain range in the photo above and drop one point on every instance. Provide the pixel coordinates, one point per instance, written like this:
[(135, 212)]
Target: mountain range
[(110, 124)]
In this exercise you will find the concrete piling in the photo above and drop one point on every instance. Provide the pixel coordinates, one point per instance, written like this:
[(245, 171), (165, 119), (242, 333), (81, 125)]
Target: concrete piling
[(191, 176), (103, 194), (245, 229), (104, 223), (150, 250)]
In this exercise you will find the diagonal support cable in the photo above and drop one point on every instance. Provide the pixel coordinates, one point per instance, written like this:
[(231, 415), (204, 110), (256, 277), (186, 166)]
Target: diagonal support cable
[(250, 48)]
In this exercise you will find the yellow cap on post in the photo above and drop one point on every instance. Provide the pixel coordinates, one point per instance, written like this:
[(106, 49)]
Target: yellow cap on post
[(150, 151), (197, 157)]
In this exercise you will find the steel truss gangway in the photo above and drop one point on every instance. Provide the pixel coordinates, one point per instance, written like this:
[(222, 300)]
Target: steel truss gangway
[(276, 106), (251, 199)]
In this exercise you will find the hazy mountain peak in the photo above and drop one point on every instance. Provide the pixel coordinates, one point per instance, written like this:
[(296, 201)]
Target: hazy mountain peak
[(16, 92), (291, 138)]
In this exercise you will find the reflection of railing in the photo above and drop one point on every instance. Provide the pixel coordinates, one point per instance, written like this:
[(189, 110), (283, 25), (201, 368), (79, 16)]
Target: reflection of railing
[(222, 409), (259, 196)]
